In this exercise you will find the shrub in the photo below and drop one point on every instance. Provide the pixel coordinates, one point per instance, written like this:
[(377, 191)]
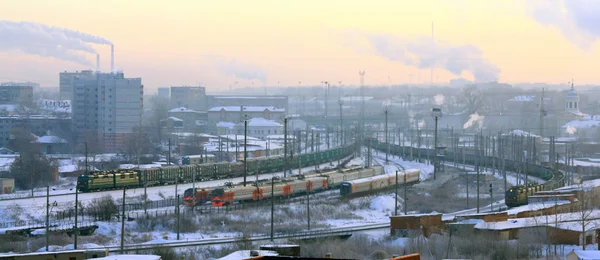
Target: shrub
[(103, 208)]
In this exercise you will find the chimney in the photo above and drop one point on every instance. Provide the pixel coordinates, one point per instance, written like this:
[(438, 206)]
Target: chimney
[(97, 62), (112, 58)]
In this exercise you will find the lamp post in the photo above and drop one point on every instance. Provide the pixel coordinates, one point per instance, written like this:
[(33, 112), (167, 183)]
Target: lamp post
[(245, 151), (341, 103), (76, 231), (435, 113), (386, 135)]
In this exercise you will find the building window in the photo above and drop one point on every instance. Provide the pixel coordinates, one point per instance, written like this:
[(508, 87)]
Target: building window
[(575, 104)]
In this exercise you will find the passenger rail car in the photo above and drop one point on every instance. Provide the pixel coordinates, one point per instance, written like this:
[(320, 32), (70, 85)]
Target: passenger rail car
[(290, 187), (514, 196), (379, 182), (106, 180)]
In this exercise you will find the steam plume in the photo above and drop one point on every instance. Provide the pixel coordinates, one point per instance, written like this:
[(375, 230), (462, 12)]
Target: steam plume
[(571, 130), (425, 53), (438, 99), (474, 119), (577, 20), (244, 71), (47, 41)]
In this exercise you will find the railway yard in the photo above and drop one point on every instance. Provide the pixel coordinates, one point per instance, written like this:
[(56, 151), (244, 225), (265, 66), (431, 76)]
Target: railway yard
[(453, 191)]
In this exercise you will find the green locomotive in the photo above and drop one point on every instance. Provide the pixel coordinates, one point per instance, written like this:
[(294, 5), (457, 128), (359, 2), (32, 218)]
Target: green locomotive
[(118, 179)]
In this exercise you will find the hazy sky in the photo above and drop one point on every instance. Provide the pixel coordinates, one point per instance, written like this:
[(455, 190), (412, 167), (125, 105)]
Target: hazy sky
[(217, 43)]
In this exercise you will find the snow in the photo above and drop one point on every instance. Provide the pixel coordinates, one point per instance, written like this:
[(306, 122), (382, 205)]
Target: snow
[(577, 124), (8, 108), (228, 125), (182, 110), (520, 133), (523, 98), (536, 206), (50, 139), (246, 254), (67, 168), (55, 105), (6, 161), (172, 118), (247, 108), (587, 254), (259, 121), (383, 203), (130, 257)]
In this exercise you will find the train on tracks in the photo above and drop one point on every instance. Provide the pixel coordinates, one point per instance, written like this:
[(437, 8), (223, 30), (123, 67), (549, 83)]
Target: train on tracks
[(118, 179), (380, 182), (514, 196), (288, 187)]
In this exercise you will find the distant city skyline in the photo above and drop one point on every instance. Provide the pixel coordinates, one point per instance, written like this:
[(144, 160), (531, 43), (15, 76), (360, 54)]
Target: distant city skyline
[(258, 43)]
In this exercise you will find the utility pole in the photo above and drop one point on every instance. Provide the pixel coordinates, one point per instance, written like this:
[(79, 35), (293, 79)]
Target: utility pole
[(123, 223), (478, 168), (492, 198), (169, 154), (386, 136), (436, 113), (178, 215), (396, 198), (47, 216), (272, 204), (405, 195), (308, 209), (76, 231), (245, 151), (542, 114), (362, 109), (285, 146)]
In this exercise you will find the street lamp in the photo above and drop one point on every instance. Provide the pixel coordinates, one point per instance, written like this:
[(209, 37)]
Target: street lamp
[(435, 113), (341, 103), (386, 135)]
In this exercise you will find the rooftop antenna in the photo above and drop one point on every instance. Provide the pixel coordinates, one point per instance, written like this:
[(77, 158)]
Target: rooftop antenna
[(433, 40)]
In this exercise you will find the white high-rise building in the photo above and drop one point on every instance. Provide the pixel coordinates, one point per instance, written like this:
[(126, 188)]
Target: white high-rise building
[(65, 82), (107, 106)]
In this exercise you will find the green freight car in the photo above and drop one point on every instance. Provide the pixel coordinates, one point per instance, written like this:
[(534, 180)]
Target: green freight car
[(201, 172)]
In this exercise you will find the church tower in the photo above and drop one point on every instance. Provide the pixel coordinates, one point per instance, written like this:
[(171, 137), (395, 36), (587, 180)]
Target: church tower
[(572, 100)]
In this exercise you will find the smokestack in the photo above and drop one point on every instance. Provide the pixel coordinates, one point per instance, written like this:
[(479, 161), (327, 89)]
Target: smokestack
[(97, 62), (112, 58)]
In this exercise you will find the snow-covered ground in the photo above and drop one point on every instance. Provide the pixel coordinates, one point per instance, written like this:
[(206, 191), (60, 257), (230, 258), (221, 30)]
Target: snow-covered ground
[(38, 204)]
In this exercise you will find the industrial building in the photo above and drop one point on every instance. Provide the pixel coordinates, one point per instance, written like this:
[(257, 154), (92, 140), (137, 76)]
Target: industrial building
[(189, 97), (16, 93)]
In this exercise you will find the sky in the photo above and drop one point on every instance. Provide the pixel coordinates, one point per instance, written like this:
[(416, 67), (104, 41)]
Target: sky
[(291, 43)]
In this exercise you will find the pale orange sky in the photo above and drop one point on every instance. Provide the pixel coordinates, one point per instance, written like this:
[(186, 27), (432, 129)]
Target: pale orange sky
[(186, 42)]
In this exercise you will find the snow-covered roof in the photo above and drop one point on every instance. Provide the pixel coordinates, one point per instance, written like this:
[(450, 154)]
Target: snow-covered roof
[(175, 119), (224, 124), (247, 108), (523, 98), (55, 105), (130, 257), (521, 133), (259, 121), (50, 139), (582, 123), (246, 254), (587, 254), (182, 110), (351, 98)]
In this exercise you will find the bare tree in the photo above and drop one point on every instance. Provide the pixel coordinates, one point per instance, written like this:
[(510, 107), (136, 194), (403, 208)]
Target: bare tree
[(136, 145), (31, 168), (472, 98), (160, 108), (585, 208)]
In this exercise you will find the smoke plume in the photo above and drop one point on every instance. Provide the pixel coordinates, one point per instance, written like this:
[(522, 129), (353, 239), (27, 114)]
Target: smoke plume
[(577, 20), (244, 71), (474, 119), (438, 99), (426, 53), (47, 41)]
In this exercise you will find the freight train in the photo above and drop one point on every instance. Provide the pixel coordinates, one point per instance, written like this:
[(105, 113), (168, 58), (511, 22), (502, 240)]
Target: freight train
[(379, 182), (118, 179), (289, 187), (515, 196)]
